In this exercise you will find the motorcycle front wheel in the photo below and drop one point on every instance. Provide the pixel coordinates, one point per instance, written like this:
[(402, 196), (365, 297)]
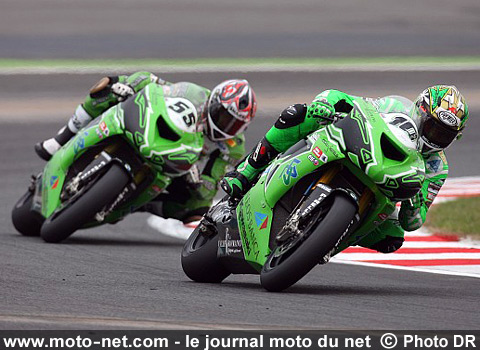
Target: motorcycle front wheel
[(103, 192), (287, 265)]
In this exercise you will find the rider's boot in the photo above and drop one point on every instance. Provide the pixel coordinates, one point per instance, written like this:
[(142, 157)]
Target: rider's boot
[(49, 147), (107, 92), (239, 181)]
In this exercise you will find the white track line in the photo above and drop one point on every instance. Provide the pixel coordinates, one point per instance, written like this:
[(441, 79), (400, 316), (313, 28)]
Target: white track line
[(408, 268)]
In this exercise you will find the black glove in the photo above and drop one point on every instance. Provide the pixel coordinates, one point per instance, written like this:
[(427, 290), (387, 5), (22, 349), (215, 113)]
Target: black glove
[(388, 245)]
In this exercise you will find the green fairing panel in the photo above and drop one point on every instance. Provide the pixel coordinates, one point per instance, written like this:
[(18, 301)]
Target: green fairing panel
[(255, 218), (56, 169), (364, 135), (139, 128), (173, 156), (364, 158), (196, 94)]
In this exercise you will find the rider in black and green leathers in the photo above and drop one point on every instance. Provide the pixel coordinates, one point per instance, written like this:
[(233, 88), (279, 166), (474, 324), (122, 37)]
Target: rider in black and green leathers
[(225, 113), (440, 114)]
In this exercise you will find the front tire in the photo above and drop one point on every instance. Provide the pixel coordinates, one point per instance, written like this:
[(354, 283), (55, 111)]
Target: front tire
[(103, 192), (24, 219), (280, 272), (199, 257)]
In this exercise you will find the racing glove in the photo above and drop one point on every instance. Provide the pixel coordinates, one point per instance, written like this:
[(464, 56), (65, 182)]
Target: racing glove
[(389, 244), (122, 91), (321, 110), (238, 182)]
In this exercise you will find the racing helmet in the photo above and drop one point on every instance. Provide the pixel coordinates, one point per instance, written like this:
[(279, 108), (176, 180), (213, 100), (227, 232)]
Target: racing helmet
[(229, 110), (442, 113)]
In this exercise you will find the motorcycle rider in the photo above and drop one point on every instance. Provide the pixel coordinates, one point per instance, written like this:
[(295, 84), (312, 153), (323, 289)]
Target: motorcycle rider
[(439, 112), (225, 113)]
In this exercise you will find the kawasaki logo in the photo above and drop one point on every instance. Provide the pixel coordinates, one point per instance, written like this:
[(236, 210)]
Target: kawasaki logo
[(290, 172)]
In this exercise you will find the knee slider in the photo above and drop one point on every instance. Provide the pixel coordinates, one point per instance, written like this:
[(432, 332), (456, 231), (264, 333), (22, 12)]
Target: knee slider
[(291, 116), (102, 87)]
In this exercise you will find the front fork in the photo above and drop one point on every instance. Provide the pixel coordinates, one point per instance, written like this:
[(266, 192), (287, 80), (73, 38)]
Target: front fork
[(316, 194), (96, 168)]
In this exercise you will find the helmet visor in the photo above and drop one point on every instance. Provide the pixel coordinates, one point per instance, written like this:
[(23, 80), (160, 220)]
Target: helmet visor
[(224, 120), (437, 133)]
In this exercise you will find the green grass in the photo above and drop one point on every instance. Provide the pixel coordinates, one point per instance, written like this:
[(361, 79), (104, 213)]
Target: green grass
[(461, 216), (75, 63)]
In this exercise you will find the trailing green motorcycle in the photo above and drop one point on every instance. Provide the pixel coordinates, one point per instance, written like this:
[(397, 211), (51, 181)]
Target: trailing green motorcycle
[(322, 195), (112, 167)]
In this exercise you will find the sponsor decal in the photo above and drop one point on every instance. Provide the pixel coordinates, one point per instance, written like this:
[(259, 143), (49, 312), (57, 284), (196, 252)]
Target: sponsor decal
[(312, 205), (382, 216), (325, 188), (434, 188), (319, 154), (79, 145), (223, 243), (261, 220), (252, 237), (156, 188), (448, 118), (313, 137), (313, 160), (260, 149), (230, 246), (103, 126), (54, 182), (99, 133), (290, 171), (433, 165), (432, 192), (92, 170)]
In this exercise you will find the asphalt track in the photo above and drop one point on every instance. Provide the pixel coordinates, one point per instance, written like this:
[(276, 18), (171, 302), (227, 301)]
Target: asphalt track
[(247, 28), (127, 275)]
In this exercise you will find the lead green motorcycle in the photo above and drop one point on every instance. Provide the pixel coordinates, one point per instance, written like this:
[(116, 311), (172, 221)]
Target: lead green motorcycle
[(112, 167), (322, 195)]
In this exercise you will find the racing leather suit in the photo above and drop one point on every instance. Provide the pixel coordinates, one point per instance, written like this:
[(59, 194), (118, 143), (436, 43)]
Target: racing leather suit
[(189, 195), (297, 121)]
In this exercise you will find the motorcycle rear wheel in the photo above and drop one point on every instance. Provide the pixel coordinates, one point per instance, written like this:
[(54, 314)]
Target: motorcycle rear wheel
[(103, 192), (282, 270), (199, 258), (25, 220)]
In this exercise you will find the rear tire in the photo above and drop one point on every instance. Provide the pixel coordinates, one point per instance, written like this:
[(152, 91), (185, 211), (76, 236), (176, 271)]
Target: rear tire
[(103, 192), (199, 258), (25, 220), (277, 275)]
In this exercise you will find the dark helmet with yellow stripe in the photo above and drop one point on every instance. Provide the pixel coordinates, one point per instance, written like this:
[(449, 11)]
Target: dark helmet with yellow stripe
[(442, 113)]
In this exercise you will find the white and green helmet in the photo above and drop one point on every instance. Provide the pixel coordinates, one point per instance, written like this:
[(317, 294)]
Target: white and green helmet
[(442, 114)]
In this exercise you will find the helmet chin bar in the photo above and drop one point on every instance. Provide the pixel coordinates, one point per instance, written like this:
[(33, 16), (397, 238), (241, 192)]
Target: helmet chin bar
[(211, 129), (426, 147)]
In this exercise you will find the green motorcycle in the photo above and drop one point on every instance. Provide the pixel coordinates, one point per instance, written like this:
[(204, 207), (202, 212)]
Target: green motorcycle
[(322, 195), (112, 167)]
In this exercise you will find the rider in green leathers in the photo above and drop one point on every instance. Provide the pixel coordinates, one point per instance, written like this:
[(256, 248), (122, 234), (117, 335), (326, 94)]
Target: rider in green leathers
[(225, 113), (439, 112)]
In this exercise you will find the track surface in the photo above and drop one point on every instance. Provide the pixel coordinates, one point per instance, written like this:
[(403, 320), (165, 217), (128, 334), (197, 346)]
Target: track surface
[(127, 275), (248, 28)]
